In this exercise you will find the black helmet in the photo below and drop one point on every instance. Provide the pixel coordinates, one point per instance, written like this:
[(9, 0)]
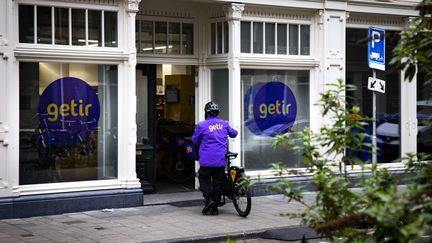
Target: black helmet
[(211, 109)]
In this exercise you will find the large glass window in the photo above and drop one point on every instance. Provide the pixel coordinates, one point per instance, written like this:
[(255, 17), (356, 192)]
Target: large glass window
[(274, 102), (387, 105), (187, 38), (270, 38), (68, 122)]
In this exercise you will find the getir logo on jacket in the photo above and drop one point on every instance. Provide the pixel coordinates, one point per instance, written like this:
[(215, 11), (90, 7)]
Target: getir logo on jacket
[(69, 105), (269, 108), (216, 126)]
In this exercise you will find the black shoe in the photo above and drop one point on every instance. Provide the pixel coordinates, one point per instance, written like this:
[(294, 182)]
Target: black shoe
[(214, 211), (209, 205)]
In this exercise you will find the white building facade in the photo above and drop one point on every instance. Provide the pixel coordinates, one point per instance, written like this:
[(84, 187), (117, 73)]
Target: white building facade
[(88, 82)]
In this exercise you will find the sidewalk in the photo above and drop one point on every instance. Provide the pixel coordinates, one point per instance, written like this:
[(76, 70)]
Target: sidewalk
[(159, 220)]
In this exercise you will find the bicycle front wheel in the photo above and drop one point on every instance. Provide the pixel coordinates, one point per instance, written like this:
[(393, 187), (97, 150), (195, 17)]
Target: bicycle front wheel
[(178, 167), (242, 198)]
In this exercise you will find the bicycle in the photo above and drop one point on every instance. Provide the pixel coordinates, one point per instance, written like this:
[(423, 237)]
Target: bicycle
[(236, 187)]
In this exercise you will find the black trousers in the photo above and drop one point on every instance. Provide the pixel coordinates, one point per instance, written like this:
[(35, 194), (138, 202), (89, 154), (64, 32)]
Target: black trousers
[(211, 181)]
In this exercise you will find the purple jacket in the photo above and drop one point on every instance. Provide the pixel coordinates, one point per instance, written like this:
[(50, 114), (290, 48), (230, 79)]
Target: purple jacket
[(211, 137)]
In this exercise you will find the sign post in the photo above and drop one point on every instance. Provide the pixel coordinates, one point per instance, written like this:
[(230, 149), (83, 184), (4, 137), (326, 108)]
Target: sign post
[(376, 60)]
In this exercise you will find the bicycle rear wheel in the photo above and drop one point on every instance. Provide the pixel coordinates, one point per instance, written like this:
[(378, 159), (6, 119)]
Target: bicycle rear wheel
[(178, 167), (242, 198)]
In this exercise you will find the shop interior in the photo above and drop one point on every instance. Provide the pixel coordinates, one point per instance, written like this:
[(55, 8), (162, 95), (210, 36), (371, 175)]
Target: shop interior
[(165, 120)]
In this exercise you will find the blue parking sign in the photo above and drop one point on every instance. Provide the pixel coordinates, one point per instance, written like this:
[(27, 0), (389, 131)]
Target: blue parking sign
[(376, 48)]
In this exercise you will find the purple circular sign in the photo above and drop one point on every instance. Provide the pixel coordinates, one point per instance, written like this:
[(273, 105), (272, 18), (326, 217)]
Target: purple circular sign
[(269, 108), (68, 110)]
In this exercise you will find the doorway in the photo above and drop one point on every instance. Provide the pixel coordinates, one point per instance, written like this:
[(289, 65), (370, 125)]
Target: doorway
[(165, 125)]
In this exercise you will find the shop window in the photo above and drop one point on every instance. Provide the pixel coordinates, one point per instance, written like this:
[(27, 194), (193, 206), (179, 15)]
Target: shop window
[(172, 38), (68, 122), (219, 37), (274, 102), (388, 105), (86, 26), (219, 91), (281, 39)]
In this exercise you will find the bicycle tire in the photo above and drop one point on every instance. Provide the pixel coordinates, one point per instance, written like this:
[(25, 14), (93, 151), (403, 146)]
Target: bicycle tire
[(177, 167), (242, 192)]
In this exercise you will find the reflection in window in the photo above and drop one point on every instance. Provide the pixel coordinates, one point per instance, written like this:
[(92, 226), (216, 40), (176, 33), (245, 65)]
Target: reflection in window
[(226, 37), (110, 28), (213, 38), (44, 32), (281, 39), (270, 38), (219, 90), (219, 37), (146, 36), (60, 138), (173, 38), (94, 28), (160, 37), (61, 24), (257, 40), (245, 37), (293, 39), (26, 23), (270, 120), (187, 38), (424, 113), (388, 105), (78, 27), (304, 40)]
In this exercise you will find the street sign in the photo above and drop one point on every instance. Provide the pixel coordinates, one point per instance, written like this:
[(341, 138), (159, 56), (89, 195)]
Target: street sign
[(375, 84), (376, 48)]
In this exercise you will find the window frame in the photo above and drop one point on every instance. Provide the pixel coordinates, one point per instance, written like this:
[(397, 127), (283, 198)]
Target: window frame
[(277, 22), (140, 18), (70, 7)]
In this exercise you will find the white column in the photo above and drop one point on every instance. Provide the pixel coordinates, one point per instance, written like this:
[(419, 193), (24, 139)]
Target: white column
[(409, 126), (233, 15), (127, 101), (9, 101)]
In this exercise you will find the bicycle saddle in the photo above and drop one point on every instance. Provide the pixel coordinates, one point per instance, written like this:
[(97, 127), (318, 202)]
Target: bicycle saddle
[(231, 155)]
